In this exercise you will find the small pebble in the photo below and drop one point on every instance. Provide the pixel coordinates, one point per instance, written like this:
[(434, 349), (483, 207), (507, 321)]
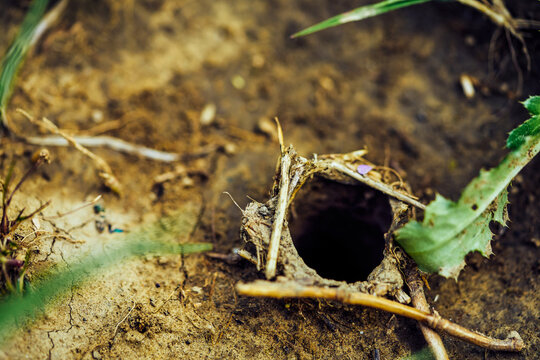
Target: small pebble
[(470, 40), (230, 149), (467, 85), (327, 83), (257, 61), (208, 114), (238, 82), (97, 116)]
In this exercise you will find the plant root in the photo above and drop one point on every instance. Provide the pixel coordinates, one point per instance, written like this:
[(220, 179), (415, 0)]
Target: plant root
[(418, 298), (289, 289), (109, 142)]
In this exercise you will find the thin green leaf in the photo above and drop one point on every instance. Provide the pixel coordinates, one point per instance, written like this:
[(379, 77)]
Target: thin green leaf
[(17, 51), (529, 127), (360, 13), (450, 230), (16, 310)]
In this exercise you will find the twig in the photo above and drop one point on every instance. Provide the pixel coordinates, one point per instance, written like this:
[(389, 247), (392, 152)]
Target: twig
[(280, 135), (292, 290), (103, 127), (419, 301), (123, 319), (279, 218), (86, 204), (104, 170), (109, 142), (377, 185)]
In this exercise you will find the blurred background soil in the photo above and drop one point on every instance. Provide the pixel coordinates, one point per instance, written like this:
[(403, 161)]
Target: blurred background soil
[(147, 69)]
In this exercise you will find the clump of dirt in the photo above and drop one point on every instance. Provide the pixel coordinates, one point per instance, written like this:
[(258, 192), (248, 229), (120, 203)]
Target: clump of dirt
[(144, 71)]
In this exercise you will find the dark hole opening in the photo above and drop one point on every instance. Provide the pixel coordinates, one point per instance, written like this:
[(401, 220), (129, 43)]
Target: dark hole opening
[(339, 229)]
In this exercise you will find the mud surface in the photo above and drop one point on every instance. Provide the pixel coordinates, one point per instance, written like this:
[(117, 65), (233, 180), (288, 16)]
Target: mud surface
[(390, 83)]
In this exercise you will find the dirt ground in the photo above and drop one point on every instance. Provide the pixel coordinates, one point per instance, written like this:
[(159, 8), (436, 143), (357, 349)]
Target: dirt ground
[(390, 84)]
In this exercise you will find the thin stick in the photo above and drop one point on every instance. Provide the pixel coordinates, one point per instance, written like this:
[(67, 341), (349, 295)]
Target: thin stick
[(377, 185), (123, 319), (280, 135), (434, 321), (279, 218), (104, 170), (86, 204), (419, 301), (108, 142)]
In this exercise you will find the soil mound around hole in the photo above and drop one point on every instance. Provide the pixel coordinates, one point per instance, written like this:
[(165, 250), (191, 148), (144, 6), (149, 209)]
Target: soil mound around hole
[(338, 229)]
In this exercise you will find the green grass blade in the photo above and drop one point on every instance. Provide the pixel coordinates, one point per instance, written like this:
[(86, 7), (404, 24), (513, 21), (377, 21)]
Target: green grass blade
[(17, 310), (17, 51), (357, 14), (450, 230)]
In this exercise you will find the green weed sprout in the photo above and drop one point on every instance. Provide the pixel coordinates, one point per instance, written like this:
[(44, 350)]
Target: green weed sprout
[(450, 230), (13, 269)]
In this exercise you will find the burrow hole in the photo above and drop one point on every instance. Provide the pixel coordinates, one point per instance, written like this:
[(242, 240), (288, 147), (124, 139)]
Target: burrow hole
[(339, 229)]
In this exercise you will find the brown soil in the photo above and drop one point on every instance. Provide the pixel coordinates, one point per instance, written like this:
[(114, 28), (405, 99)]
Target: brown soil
[(390, 83)]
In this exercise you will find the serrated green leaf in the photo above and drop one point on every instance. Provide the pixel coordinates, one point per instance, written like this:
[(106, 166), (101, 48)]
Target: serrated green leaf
[(532, 104), (517, 136), (530, 127), (360, 13), (450, 230)]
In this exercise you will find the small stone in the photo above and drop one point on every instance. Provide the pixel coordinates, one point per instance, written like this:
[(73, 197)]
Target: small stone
[(470, 40), (467, 84), (327, 83), (97, 116), (208, 114), (96, 354), (238, 82), (257, 61), (187, 182), (230, 149)]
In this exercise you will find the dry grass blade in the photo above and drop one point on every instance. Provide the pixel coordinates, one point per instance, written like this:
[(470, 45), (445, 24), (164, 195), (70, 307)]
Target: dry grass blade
[(279, 218), (104, 170)]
